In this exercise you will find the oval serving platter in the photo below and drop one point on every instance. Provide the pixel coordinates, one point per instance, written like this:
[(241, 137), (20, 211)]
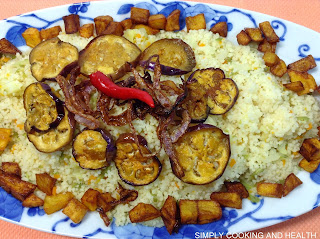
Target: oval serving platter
[(295, 42)]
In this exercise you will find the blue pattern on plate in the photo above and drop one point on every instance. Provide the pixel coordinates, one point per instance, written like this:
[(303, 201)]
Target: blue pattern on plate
[(304, 48), (276, 24), (10, 207), (315, 176), (34, 211)]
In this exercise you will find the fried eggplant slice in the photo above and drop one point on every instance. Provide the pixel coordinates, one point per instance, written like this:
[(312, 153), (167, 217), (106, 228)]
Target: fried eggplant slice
[(71, 23), (4, 138), (11, 168), (45, 183), (56, 202), (32, 36), (93, 149), (133, 167), (196, 22), (274, 190), (157, 21), (7, 47), (43, 108), (33, 201), (203, 153), (108, 54), (210, 85), (143, 212), (176, 57), (221, 28), (310, 149), (169, 213), (304, 64), (90, 198), (291, 182), (52, 58), (227, 199), (309, 166), (307, 80), (173, 23), (75, 210), (268, 32), (237, 187), (139, 15), (56, 138)]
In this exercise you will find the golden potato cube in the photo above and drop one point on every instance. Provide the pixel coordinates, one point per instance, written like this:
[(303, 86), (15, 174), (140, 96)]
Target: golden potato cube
[(11, 168), (221, 28), (90, 199), (149, 30), (237, 187), (309, 83), (208, 211), (188, 211), (279, 69), (270, 58), (196, 22), (45, 183), (49, 33), (101, 23), (270, 189), (243, 38), (255, 34), (4, 138), (56, 202), (310, 149), (7, 47), (268, 32), (227, 199), (87, 30), (309, 166), (291, 182), (105, 202), (32, 201), (32, 36), (143, 212), (169, 214), (71, 23), (139, 15), (157, 21), (126, 24), (265, 46), (114, 28), (173, 21), (75, 210), (304, 64), (296, 86)]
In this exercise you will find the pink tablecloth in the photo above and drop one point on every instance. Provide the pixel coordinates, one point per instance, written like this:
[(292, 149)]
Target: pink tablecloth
[(303, 12)]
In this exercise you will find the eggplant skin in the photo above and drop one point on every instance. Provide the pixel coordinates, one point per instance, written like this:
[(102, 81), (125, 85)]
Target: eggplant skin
[(133, 168), (200, 169)]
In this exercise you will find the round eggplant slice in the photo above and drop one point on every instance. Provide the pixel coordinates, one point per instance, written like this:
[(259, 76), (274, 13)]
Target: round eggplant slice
[(211, 85), (176, 57), (133, 168), (93, 149), (44, 109), (203, 153), (108, 54), (56, 138), (52, 58)]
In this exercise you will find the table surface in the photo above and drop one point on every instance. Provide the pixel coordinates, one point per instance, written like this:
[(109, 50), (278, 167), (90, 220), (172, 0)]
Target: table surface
[(301, 12)]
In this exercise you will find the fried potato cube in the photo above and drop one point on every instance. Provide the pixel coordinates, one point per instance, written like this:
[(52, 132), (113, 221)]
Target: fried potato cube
[(90, 199), (49, 33), (237, 187), (227, 199), (71, 23), (221, 28), (169, 214), (270, 58), (270, 189), (7, 47), (173, 21), (101, 23), (105, 202), (310, 149), (139, 15), (309, 166), (265, 46), (18, 188), (87, 30), (45, 183), (157, 21), (296, 86), (255, 34), (4, 138), (196, 22), (32, 201), (149, 30), (309, 83), (143, 212), (56, 202), (268, 32), (75, 210), (208, 211), (11, 168), (32, 36), (291, 182), (114, 28), (304, 64), (188, 211), (126, 24), (279, 69), (243, 38)]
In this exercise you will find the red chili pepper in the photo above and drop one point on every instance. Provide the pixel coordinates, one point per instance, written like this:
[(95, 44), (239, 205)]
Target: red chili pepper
[(109, 88)]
